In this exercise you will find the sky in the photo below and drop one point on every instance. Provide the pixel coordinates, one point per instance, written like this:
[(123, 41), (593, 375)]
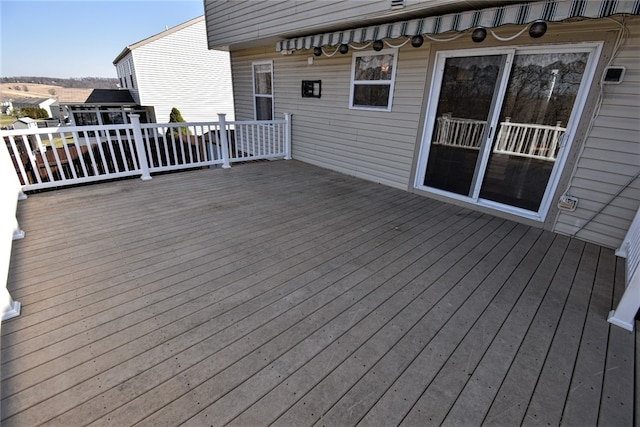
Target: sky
[(80, 38)]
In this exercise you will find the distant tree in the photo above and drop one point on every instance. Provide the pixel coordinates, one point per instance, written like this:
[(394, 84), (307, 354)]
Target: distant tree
[(76, 82), (25, 88), (33, 112), (52, 91), (176, 117), (16, 87)]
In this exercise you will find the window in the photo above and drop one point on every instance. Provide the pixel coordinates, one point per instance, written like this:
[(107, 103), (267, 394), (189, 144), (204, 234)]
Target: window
[(372, 80), (263, 90)]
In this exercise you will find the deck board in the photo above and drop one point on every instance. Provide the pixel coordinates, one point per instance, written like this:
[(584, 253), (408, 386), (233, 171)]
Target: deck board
[(279, 292)]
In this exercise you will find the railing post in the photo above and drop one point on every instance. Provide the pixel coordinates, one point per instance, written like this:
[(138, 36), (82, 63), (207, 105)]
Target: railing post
[(9, 308), (287, 136), (625, 313), (139, 141), (224, 142), (10, 191), (18, 233)]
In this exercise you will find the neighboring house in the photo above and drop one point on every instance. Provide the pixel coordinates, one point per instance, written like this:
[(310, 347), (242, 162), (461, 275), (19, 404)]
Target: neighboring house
[(85, 107), (486, 108), (16, 102), (175, 69), (25, 123)]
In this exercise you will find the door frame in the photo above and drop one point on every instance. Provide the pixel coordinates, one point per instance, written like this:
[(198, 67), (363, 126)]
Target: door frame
[(595, 49)]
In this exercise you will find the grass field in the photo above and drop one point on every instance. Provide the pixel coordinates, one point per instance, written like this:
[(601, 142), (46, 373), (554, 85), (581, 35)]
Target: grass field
[(6, 120)]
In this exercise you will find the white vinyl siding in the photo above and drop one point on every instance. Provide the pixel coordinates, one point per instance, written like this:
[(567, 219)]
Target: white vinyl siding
[(126, 74), (374, 145), (178, 70), (610, 158)]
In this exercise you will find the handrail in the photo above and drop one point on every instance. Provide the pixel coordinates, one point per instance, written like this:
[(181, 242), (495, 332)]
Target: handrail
[(67, 155)]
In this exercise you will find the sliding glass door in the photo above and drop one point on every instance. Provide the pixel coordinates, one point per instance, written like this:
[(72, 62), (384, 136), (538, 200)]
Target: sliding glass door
[(465, 104), (497, 122)]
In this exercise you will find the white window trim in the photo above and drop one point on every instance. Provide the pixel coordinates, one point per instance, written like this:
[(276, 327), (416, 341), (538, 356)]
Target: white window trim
[(253, 88), (391, 83)]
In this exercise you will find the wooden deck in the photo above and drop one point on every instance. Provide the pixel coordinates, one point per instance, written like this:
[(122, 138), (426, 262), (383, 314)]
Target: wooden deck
[(282, 293)]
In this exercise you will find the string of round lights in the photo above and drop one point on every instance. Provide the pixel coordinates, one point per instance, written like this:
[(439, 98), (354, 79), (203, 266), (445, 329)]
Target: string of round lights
[(536, 30)]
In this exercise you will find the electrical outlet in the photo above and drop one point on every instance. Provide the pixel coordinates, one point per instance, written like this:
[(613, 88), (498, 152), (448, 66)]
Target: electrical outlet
[(568, 203)]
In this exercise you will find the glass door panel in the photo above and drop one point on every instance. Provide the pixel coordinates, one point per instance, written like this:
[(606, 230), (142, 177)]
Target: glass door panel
[(464, 106), (538, 102)]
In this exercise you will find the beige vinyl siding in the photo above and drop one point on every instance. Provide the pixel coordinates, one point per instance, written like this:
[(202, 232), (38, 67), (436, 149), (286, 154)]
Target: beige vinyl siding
[(178, 70), (374, 145), (610, 158), (243, 22)]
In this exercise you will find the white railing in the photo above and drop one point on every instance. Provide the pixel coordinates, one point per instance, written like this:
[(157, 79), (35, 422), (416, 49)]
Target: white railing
[(624, 314), (259, 139), (60, 156), (9, 231), (529, 140), (519, 139), (459, 132)]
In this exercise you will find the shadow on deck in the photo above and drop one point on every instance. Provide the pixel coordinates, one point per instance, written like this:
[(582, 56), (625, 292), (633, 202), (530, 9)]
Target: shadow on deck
[(283, 293)]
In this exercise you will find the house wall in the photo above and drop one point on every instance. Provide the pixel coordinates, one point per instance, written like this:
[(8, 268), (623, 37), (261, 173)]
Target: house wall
[(243, 22), (178, 70), (125, 70), (610, 157), (374, 145), (383, 146)]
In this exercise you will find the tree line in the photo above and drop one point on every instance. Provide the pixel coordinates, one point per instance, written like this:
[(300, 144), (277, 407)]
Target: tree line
[(73, 82)]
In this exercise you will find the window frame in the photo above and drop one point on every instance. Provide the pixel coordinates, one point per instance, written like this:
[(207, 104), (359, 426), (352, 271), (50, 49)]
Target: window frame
[(256, 96), (391, 83)]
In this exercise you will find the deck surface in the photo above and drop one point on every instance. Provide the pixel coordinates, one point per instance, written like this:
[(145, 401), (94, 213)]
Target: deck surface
[(281, 293)]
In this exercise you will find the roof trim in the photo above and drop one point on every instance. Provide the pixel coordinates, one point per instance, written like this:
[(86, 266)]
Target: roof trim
[(523, 13), (155, 37)]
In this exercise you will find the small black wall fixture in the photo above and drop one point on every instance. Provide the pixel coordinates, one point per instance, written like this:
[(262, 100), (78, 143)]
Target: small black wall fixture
[(317, 51), (416, 41), (378, 45), (344, 48), (311, 88)]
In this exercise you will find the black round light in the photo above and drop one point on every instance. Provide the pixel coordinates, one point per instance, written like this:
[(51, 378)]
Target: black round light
[(479, 34), (538, 29), (344, 48), (317, 51), (416, 41), (378, 45)]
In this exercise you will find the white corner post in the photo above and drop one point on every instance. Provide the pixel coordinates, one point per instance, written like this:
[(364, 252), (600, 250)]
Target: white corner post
[(624, 315), (139, 142), (224, 141), (9, 307), (287, 140), (17, 232)]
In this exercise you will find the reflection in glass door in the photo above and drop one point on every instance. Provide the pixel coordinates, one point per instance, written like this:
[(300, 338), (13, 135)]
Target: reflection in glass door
[(464, 105), (539, 98), (496, 129)]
